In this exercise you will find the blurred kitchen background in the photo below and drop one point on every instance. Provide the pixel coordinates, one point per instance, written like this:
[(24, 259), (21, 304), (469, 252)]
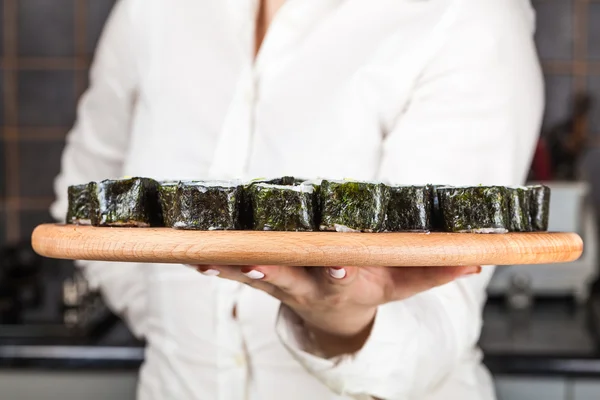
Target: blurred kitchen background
[(541, 336)]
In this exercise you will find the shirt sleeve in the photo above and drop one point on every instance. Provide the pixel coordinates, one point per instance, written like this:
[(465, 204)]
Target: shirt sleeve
[(474, 117), (96, 149)]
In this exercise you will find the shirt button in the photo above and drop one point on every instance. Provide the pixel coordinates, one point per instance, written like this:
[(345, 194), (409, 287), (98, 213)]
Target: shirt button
[(240, 360)]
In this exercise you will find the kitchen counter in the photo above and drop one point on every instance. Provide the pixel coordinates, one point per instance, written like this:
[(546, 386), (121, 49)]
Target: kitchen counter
[(116, 349), (555, 338)]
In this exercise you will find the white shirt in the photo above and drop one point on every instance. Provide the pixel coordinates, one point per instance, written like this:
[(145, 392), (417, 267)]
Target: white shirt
[(409, 91)]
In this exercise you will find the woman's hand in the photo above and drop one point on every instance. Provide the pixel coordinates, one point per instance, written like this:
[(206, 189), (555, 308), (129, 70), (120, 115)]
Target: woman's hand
[(338, 305)]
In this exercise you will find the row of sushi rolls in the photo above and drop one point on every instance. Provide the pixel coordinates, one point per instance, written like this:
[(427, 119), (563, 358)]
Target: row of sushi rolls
[(292, 204)]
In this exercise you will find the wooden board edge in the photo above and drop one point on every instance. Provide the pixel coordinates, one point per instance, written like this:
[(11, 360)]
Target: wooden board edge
[(56, 241)]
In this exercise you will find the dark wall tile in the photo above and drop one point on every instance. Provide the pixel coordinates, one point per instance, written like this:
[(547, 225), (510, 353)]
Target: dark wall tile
[(39, 163), (31, 219), (554, 33), (2, 228), (98, 12), (84, 77), (46, 28), (2, 169), (2, 145), (1, 30), (1, 95), (558, 99), (46, 98), (594, 91), (594, 31)]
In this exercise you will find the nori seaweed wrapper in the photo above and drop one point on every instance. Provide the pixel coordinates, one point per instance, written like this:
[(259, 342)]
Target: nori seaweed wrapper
[(80, 207), (519, 206), (207, 206), (480, 209), (247, 212), (282, 208), (409, 209), (166, 198), (126, 202), (539, 196), (348, 206)]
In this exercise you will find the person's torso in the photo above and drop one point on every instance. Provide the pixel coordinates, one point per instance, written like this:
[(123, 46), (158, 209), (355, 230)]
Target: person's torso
[(326, 87)]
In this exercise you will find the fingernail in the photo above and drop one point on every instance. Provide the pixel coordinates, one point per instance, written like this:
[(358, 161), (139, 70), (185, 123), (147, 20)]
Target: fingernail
[(210, 272), (471, 271), (337, 272), (254, 274)]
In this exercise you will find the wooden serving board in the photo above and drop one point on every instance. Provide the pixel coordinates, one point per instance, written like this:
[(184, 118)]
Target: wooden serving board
[(165, 245)]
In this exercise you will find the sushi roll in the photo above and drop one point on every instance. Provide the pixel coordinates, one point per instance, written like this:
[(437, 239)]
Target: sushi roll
[(207, 206), (282, 208), (480, 209), (539, 197), (80, 210), (349, 206), (409, 209), (166, 198), (126, 202), (246, 214), (519, 206)]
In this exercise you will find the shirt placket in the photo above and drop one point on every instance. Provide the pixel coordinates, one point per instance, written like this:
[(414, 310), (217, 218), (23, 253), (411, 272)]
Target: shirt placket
[(231, 359), (285, 33), (233, 153)]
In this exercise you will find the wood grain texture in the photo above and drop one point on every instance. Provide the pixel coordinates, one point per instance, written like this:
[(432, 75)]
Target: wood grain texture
[(165, 245)]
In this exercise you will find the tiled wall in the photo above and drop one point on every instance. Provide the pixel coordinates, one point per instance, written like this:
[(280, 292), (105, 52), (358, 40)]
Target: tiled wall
[(46, 48), (568, 39)]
